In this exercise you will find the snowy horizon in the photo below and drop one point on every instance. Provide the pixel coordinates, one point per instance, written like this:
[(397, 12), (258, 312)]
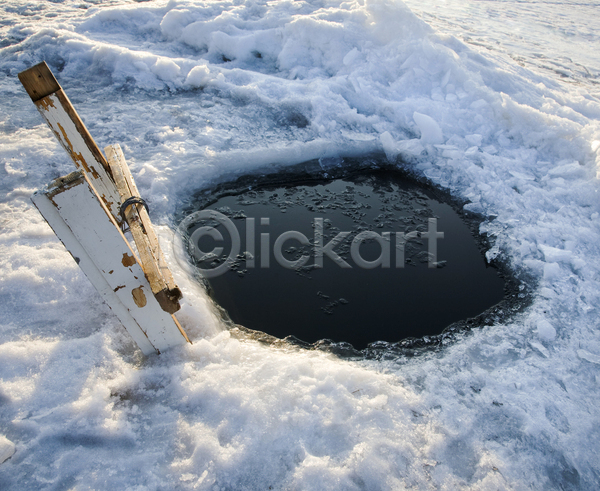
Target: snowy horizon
[(497, 102)]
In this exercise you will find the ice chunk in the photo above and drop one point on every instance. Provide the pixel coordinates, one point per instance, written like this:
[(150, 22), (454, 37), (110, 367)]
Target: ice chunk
[(7, 449), (587, 356), (479, 104), (551, 271), (165, 69), (540, 347), (430, 130), (174, 22), (545, 330), (571, 170), (389, 145), (198, 76), (554, 255), (352, 57), (522, 175), (474, 140), (407, 148)]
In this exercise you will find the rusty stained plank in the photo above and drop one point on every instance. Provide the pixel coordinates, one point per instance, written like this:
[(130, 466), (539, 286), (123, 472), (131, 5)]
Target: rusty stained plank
[(62, 118), (91, 235), (114, 151), (153, 261)]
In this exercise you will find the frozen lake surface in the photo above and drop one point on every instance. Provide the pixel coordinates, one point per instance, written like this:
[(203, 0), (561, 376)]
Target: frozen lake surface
[(496, 102)]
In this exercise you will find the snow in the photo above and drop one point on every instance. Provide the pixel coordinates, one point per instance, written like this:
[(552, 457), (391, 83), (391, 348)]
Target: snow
[(495, 101)]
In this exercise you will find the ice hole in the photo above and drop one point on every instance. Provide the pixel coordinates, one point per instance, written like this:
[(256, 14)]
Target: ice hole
[(348, 257)]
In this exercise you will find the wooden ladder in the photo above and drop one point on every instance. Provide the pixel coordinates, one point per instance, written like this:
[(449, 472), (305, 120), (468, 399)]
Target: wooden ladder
[(87, 210)]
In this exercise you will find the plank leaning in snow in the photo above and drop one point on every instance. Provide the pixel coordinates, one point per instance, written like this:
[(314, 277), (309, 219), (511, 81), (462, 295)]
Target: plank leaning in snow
[(89, 232), (155, 266), (60, 115), (55, 107)]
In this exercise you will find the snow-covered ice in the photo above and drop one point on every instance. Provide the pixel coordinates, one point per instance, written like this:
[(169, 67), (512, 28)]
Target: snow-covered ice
[(495, 101)]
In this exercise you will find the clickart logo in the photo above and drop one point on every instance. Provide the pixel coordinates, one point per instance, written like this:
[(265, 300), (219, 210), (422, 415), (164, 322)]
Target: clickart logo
[(214, 263)]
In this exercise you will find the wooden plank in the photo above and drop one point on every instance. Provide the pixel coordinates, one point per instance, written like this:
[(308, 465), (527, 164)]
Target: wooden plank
[(155, 266), (60, 115), (183, 333), (115, 152), (39, 81), (91, 235), (85, 262)]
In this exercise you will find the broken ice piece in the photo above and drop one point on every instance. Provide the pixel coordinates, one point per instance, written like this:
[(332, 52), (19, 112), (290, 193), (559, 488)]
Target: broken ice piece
[(7, 449)]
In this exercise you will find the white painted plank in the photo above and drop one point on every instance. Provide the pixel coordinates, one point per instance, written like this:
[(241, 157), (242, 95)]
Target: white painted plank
[(63, 232), (62, 118), (57, 111), (90, 234)]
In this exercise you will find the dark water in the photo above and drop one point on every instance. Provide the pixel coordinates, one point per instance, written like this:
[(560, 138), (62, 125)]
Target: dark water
[(408, 290)]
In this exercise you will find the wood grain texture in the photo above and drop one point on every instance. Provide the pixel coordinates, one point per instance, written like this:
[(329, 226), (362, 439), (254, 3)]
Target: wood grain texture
[(153, 261), (75, 139), (81, 129), (39, 81), (62, 118)]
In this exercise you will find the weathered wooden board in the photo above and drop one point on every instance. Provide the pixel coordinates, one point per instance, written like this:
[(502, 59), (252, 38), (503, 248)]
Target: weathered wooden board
[(60, 115), (90, 234), (155, 266)]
